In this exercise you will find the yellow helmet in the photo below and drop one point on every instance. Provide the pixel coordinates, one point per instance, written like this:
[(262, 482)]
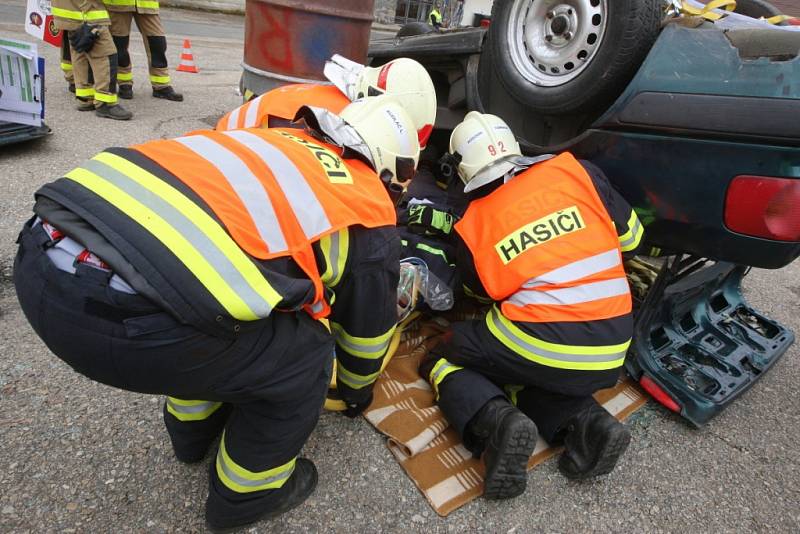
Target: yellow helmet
[(410, 83), (486, 146), (389, 133)]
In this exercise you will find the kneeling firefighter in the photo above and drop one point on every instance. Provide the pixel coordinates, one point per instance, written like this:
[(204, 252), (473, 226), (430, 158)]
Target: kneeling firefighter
[(544, 238), (196, 267)]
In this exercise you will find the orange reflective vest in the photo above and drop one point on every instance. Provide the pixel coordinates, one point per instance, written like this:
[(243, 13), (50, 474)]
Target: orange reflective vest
[(284, 103), (277, 190), (545, 246), (194, 216)]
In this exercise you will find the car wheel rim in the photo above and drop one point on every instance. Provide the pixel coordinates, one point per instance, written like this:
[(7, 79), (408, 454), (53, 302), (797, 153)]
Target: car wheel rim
[(553, 41)]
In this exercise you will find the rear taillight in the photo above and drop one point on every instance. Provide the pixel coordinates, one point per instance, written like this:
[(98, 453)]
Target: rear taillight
[(658, 394), (764, 207)]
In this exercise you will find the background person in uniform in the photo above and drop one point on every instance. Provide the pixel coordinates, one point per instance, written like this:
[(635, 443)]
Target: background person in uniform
[(204, 265), (95, 89), (544, 239), (145, 13), (66, 62), (435, 17)]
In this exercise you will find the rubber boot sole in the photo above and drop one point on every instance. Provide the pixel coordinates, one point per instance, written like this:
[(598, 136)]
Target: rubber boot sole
[(507, 477), (614, 445)]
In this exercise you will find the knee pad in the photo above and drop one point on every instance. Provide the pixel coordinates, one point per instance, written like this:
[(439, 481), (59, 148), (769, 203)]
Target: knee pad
[(123, 57), (158, 51)]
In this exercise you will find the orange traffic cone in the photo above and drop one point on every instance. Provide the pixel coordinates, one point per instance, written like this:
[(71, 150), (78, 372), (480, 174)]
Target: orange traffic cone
[(187, 59)]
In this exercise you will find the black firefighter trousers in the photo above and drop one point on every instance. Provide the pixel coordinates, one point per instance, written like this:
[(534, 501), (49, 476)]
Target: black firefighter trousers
[(472, 367), (266, 387)]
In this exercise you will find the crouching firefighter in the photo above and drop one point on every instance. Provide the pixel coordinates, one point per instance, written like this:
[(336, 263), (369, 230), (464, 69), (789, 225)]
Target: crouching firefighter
[(543, 238), (196, 268)]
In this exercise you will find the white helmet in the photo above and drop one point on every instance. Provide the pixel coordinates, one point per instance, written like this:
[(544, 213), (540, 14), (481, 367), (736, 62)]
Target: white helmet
[(407, 80), (389, 133), (486, 145)]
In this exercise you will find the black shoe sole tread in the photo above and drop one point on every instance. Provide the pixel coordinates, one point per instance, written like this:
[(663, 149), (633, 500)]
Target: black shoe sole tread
[(508, 478)]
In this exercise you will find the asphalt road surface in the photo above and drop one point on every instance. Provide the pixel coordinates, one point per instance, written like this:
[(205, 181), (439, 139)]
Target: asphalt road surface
[(76, 456)]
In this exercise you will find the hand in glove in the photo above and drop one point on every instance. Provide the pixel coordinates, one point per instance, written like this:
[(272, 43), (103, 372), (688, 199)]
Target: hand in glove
[(426, 219), (83, 38)]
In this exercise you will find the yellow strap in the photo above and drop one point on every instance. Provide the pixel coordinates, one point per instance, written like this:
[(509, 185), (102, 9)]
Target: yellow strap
[(777, 19), (86, 92), (707, 11), (124, 76), (160, 79), (66, 67)]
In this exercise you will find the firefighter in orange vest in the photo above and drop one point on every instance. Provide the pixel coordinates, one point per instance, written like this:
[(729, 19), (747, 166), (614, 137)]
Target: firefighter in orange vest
[(197, 268), (403, 78), (544, 240)]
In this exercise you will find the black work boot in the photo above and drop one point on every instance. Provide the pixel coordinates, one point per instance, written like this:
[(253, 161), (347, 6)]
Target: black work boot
[(594, 442), (297, 489), (84, 105), (125, 91), (168, 93), (509, 437), (116, 112), (71, 88)]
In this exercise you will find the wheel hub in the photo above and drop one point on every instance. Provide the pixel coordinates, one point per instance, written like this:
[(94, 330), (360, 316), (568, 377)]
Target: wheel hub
[(553, 41)]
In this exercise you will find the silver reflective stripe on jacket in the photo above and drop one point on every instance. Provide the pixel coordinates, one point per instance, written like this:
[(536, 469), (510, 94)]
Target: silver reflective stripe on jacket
[(233, 119), (571, 295), (577, 270), (305, 205), (251, 117), (246, 185)]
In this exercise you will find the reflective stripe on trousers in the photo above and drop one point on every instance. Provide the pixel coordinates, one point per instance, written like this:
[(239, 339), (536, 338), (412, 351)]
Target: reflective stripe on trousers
[(440, 371), (370, 348), (195, 238), (353, 380), (242, 480), (576, 357), (191, 410)]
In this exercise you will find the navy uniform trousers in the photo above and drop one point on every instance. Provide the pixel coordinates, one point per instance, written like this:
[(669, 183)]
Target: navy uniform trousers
[(265, 387)]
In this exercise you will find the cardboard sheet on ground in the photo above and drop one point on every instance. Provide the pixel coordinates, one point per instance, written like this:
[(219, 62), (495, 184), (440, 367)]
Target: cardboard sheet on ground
[(420, 439)]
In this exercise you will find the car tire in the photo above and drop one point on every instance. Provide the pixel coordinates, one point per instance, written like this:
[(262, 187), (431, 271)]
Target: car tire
[(577, 57), (414, 28), (757, 9)]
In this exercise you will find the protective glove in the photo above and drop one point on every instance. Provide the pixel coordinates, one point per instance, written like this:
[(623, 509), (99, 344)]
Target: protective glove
[(356, 407), (425, 219), (83, 38)]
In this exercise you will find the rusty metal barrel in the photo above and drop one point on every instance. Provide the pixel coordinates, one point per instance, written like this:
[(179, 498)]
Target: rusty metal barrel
[(288, 41)]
